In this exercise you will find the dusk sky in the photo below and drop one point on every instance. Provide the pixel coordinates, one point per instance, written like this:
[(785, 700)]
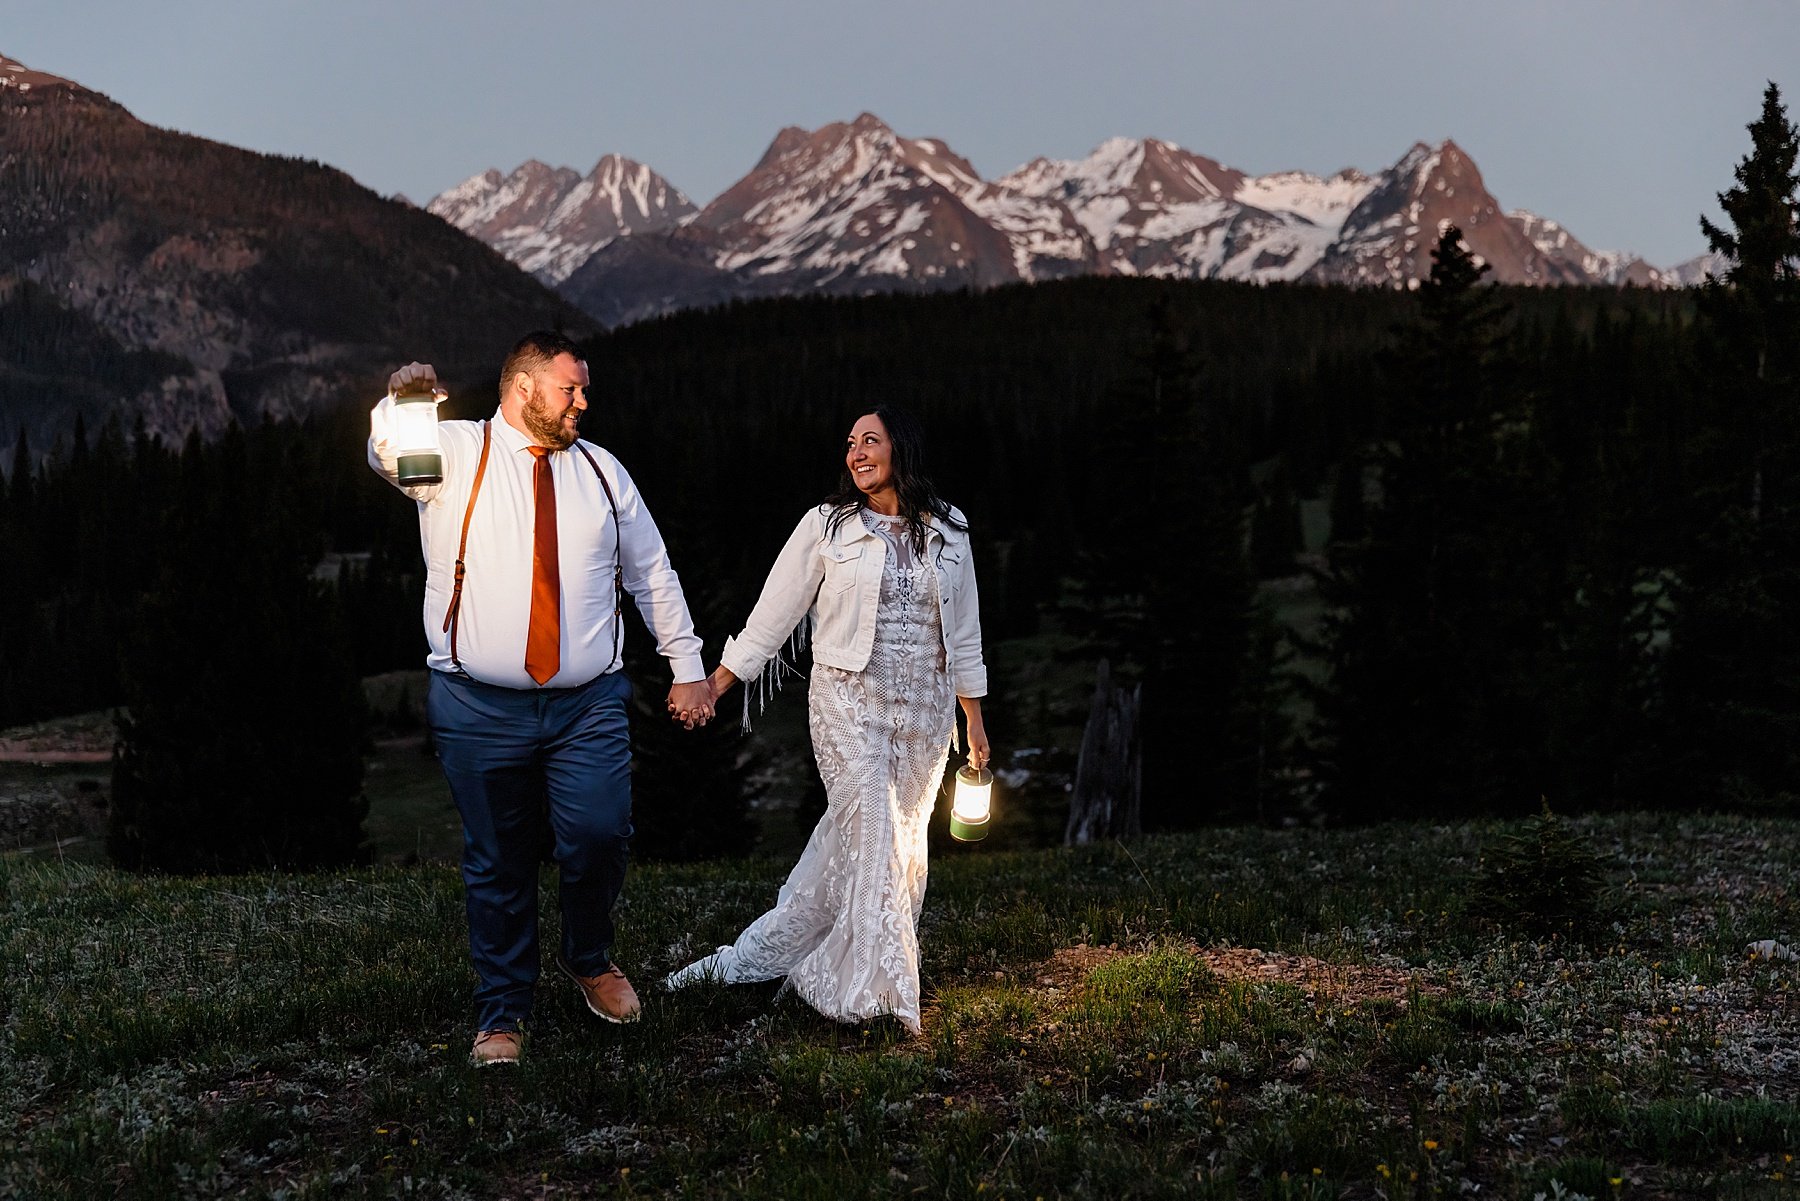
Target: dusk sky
[(1620, 120)]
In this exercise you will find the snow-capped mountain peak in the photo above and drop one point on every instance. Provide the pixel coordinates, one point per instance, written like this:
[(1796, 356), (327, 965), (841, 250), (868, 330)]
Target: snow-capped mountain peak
[(855, 200), (550, 220), (856, 206), (1141, 171)]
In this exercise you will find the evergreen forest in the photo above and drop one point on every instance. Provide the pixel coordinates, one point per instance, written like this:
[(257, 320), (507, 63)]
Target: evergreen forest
[(1549, 539)]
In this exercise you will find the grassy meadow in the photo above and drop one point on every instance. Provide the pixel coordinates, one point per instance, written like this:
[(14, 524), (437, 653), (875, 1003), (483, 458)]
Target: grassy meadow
[(1236, 1013)]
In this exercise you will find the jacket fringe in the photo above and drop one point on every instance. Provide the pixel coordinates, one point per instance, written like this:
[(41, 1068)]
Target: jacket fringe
[(773, 676)]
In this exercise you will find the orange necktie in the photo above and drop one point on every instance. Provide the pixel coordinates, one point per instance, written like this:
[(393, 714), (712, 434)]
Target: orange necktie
[(543, 645)]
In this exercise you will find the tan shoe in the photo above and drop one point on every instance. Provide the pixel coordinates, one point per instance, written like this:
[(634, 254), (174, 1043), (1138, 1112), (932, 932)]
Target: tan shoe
[(608, 995), (495, 1046)]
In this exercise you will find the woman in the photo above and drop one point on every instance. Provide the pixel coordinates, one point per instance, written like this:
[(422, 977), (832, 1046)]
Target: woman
[(883, 570)]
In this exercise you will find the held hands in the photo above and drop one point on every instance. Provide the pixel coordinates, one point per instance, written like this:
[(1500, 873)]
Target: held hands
[(697, 703), (692, 705)]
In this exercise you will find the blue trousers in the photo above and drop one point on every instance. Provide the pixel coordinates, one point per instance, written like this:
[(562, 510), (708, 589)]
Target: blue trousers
[(511, 756)]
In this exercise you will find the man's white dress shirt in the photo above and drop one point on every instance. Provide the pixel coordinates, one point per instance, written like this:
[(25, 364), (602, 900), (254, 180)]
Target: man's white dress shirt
[(496, 599)]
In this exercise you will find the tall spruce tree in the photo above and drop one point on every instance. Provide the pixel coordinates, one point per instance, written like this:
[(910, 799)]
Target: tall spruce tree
[(19, 478), (1434, 626), (1733, 673), (1349, 507), (1276, 534), (242, 741), (1167, 593), (1602, 421)]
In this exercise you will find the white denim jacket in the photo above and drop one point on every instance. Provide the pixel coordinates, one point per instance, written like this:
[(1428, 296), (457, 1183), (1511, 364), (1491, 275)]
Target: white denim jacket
[(836, 579)]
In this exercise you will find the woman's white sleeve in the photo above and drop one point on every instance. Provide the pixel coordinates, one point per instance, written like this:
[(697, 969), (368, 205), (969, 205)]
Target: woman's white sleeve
[(965, 648), (786, 598)]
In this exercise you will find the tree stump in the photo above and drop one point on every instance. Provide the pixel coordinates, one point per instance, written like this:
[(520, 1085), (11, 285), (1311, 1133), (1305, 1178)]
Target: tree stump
[(1108, 797)]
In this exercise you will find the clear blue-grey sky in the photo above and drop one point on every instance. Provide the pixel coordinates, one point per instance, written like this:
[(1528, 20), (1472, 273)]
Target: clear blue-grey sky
[(1619, 118)]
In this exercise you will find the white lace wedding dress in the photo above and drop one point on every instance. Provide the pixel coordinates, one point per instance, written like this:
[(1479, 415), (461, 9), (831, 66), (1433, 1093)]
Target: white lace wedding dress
[(844, 929)]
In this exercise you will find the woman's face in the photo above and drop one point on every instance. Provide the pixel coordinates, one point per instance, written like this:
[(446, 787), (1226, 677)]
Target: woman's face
[(870, 456)]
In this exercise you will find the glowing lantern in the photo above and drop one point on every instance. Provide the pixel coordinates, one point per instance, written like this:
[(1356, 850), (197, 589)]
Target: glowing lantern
[(969, 810), (416, 434)]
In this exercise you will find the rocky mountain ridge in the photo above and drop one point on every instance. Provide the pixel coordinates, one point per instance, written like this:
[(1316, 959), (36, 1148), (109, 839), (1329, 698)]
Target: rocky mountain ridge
[(856, 207), (549, 220)]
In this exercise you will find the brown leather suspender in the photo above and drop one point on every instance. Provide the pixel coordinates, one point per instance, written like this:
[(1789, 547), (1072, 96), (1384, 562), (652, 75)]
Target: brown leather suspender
[(454, 611), (618, 552), (450, 614)]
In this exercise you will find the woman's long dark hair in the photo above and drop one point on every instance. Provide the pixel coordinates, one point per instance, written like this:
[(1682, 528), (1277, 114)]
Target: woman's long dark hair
[(918, 498)]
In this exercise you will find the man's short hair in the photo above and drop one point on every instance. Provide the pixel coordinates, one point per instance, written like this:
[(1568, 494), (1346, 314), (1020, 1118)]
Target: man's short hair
[(534, 352)]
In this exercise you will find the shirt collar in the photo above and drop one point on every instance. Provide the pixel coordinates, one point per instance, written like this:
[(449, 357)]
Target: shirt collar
[(508, 437)]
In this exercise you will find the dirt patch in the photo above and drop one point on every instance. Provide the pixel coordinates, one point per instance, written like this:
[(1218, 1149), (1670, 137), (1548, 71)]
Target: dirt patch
[(1069, 966), (1315, 977)]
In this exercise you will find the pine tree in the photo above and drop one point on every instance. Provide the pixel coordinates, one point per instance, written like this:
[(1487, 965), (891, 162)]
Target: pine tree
[(241, 744), (1349, 507), (19, 481), (1276, 534), (1434, 626), (1167, 592), (1734, 664)]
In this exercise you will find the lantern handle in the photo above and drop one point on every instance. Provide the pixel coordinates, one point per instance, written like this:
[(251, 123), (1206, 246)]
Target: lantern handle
[(415, 390)]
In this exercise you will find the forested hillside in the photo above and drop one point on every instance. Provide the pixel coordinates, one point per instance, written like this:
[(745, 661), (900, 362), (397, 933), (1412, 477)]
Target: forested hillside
[(1111, 440), (149, 274)]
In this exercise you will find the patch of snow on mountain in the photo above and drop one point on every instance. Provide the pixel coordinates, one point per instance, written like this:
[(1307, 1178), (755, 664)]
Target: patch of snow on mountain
[(575, 200), (1324, 202), (1110, 168), (944, 172), (1420, 164), (466, 194), (1200, 255), (547, 255), (1277, 248), (1545, 234), (1695, 270), (1179, 220), (891, 259), (551, 220), (1102, 217), (1599, 266), (1037, 229)]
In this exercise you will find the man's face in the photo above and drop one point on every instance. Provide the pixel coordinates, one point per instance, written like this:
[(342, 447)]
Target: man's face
[(556, 401)]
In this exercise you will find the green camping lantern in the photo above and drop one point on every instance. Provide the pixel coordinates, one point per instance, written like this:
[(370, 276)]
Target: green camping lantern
[(969, 808), (416, 442)]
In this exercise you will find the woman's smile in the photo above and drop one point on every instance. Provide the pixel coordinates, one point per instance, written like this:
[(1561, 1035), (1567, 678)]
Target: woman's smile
[(869, 455)]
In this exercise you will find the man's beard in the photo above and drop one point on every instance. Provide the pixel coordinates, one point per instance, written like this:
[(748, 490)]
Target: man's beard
[(547, 425)]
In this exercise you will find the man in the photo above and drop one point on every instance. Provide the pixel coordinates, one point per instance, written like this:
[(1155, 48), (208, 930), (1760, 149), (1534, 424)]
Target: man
[(530, 541)]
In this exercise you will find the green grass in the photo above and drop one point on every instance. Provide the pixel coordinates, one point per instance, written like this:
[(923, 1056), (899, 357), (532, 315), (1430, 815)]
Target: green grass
[(1233, 1013)]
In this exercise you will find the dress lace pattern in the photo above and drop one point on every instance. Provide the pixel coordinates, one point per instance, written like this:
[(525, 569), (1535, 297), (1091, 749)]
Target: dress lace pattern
[(844, 929)]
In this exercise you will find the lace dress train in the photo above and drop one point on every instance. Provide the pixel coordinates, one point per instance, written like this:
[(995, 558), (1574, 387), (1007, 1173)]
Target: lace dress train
[(844, 928)]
